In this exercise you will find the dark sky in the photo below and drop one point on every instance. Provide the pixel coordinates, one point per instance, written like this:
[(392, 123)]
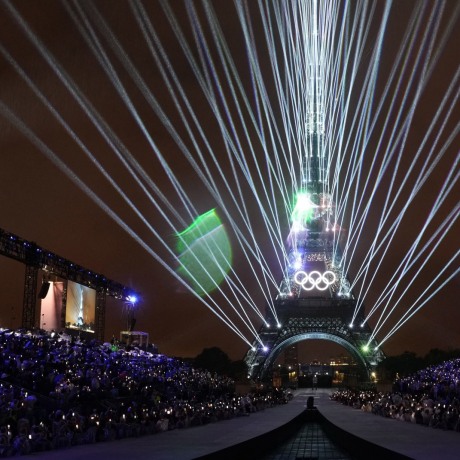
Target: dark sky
[(39, 202)]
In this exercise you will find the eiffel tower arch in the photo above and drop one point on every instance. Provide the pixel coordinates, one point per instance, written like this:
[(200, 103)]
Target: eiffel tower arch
[(314, 318), (315, 299)]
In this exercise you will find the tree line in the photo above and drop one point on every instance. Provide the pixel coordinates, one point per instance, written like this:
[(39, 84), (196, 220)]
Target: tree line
[(408, 363), (216, 360)]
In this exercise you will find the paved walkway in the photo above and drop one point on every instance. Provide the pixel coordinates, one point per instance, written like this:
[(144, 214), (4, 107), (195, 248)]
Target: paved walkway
[(408, 439), (189, 443), (414, 441)]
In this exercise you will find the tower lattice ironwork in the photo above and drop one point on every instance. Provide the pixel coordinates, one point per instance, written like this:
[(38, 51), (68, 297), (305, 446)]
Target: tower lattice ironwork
[(315, 299)]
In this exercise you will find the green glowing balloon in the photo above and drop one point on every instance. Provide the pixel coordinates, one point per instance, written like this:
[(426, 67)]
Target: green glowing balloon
[(205, 254)]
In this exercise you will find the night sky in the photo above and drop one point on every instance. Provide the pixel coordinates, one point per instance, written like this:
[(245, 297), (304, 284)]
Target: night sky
[(40, 203)]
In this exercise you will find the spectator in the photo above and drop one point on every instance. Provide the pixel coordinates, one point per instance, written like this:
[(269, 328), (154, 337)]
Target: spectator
[(57, 391), (430, 397)]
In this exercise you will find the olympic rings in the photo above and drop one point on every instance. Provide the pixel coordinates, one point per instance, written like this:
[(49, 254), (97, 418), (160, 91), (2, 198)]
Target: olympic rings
[(315, 279)]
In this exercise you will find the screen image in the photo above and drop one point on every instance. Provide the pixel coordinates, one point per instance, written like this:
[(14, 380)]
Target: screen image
[(80, 307), (51, 307)]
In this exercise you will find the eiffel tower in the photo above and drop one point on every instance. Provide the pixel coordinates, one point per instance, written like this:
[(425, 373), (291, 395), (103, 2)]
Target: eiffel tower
[(315, 298), (315, 301)]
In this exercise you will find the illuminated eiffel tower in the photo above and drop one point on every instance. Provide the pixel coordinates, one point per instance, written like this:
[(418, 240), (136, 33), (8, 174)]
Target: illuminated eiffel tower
[(315, 298)]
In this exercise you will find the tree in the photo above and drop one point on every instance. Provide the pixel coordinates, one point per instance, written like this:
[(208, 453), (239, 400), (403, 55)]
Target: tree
[(404, 364), (437, 356), (214, 360), (408, 363), (238, 370)]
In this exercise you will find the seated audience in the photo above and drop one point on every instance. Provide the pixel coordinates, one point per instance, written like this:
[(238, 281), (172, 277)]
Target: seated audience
[(57, 391), (430, 397)]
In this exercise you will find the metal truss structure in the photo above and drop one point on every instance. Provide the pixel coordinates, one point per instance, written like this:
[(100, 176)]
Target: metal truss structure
[(314, 298), (37, 258), (325, 319)]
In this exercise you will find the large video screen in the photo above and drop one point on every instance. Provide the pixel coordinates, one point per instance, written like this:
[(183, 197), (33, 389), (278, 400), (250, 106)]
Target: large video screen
[(80, 307)]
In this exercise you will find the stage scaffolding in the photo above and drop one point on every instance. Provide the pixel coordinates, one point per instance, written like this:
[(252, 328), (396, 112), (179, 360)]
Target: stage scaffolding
[(37, 258)]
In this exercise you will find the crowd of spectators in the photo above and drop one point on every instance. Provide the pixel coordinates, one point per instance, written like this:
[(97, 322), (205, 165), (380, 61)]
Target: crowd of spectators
[(430, 397), (58, 391)]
